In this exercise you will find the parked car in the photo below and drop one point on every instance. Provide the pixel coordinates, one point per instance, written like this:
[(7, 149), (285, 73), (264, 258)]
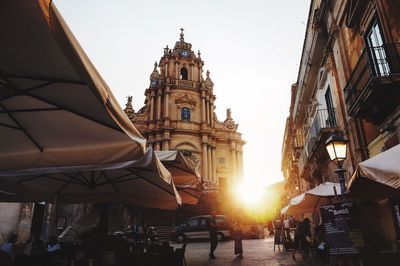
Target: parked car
[(252, 231), (197, 228)]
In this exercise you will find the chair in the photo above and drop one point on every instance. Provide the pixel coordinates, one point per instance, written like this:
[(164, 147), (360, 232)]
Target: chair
[(5, 259), (180, 255)]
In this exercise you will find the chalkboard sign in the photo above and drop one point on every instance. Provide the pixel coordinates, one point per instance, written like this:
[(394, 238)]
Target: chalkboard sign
[(342, 227)]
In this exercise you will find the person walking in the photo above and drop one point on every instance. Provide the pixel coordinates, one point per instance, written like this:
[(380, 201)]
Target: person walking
[(237, 234), (300, 238), (278, 234), (212, 225), (286, 228)]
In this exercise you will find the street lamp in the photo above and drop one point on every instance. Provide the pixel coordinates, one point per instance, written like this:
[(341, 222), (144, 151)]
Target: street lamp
[(337, 149)]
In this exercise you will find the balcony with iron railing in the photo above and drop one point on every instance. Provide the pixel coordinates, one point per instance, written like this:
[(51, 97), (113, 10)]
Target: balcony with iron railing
[(373, 89), (184, 83), (322, 125)]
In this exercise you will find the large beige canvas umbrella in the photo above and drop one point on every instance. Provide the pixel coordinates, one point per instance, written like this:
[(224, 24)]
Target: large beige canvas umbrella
[(377, 177), (185, 175), (63, 135), (55, 109), (309, 201), (145, 182)]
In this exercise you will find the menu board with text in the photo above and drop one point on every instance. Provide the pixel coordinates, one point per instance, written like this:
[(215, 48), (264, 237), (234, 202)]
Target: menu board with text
[(342, 228)]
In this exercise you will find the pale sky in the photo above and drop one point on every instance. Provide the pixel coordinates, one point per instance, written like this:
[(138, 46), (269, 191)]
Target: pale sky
[(252, 49)]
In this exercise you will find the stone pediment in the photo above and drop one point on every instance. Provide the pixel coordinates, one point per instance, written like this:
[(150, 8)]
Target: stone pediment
[(186, 99)]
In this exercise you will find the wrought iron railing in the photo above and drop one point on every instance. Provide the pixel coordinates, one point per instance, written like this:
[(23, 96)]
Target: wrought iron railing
[(374, 62), (324, 118)]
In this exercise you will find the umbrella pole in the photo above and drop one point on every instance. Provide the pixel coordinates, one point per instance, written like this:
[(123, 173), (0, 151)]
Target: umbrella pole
[(53, 217)]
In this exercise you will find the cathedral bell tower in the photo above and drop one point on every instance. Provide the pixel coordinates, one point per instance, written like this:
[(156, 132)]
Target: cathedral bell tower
[(179, 115)]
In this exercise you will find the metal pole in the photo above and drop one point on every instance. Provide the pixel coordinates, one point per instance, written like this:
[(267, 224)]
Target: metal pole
[(342, 181)]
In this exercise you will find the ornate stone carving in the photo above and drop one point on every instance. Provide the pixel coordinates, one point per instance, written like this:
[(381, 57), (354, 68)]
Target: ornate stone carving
[(128, 108), (186, 99), (229, 123), (207, 83), (155, 75)]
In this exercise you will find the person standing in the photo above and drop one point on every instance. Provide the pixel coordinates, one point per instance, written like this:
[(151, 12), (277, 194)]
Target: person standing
[(300, 238), (286, 228), (238, 240), (213, 234), (278, 234)]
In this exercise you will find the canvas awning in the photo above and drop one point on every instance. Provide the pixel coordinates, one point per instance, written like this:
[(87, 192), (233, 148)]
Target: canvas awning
[(377, 177), (311, 199), (184, 173), (145, 182), (55, 109), (63, 134)]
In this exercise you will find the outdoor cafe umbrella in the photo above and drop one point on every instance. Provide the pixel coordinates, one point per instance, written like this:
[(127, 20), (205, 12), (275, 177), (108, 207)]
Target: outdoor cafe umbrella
[(63, 135), (185, 175), (55, 109), (378, 177), (145, 182), (311, 199)]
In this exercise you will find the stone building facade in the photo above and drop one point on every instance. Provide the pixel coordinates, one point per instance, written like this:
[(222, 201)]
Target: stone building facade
[(349, 84), (178, 114)]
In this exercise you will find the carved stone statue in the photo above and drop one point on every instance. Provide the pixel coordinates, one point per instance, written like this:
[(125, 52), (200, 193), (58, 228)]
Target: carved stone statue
[(228, 113), (129, 100), (207, 83), (129, 108)]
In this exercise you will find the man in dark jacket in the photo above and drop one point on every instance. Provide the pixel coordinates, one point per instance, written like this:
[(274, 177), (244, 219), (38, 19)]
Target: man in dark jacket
[(213, 234)]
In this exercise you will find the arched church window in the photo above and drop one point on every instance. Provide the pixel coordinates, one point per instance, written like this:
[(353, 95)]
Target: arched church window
[(185, 114), (184, 73)]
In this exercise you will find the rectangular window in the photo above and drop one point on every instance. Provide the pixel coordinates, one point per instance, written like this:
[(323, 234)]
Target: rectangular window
[(376, 50), (331, 119)]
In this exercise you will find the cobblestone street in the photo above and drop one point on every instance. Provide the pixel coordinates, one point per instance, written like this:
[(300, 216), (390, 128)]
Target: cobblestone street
[(256, 252)]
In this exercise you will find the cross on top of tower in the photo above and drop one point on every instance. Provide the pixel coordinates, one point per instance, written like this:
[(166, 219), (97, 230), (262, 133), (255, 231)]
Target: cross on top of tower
[(181, 29)]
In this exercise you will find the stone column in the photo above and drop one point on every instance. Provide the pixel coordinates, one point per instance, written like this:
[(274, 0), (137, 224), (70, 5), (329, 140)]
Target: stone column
[(176, 70), (204, 160), (209, 163), (203, 108), (166, 145), (214, 164), (238, 166), (157, 145), (212, 112), (166, 106), (207, 110), (159, 107), (233, 163), (152, 95), (166, 68), (191, 72), (166, 140), (200, 70)]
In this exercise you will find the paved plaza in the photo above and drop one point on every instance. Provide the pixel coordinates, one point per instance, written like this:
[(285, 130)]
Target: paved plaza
[(257, 252)]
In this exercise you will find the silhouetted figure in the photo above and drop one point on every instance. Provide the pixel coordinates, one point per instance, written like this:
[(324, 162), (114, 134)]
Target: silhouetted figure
[(300, 237), (238, 241), (213, 235)]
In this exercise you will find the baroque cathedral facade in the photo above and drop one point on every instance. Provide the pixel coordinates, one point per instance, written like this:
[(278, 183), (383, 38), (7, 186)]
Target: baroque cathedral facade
[(178, 114)]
